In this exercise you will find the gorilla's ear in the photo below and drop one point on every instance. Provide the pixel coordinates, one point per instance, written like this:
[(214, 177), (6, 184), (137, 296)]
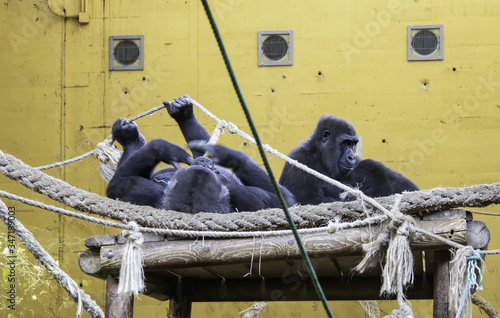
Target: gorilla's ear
[(325, 134)]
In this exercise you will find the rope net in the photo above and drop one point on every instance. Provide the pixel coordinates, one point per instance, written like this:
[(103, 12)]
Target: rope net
[(393, 242)]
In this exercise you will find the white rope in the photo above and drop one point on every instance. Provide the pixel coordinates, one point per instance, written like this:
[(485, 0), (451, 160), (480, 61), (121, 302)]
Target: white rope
[(463, 278), (131, 280), (255, 310), (51, 265), (108, 157), (66, 162)]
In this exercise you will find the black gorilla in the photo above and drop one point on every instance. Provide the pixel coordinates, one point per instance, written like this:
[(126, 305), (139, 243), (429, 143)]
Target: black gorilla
[(330, 150), (202, 186)]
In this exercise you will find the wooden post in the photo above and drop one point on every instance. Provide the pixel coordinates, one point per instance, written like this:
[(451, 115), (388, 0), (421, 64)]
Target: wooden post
[(441, 303), (117, 306), (180, 305)]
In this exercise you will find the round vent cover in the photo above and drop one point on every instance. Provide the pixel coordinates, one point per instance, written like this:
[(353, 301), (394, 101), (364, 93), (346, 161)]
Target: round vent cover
[(425, 42), (126, 52), (275, 47)]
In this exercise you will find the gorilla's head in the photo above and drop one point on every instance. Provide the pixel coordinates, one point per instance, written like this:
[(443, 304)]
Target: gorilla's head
[(198, 188), (335, 140)]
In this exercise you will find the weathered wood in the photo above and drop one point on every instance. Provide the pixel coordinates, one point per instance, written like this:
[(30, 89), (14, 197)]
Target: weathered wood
[(117, 306), (180, 304), (478, 234), (448, 215), (89, 262), (182, 254), (441, 284), (100, 240)]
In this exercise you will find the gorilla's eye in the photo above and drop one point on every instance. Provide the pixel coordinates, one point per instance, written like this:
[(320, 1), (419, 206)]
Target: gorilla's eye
[(324, 135)]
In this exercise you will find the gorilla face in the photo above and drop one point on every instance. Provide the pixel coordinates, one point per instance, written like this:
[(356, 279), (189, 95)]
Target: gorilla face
[(197, 188), (337, 141)]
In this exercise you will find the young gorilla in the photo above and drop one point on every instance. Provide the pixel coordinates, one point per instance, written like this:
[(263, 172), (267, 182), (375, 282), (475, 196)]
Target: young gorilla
[(199, 187), (330, 150)]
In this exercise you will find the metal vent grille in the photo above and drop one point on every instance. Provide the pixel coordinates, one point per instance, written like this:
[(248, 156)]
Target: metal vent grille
[(425, 42), (275, 48), (126, 52)]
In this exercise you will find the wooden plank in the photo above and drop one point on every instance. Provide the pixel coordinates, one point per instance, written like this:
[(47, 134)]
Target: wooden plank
[(100, 240), (186, 253), (117, 306)]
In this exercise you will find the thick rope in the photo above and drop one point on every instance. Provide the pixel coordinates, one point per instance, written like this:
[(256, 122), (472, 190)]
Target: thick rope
[(131, 280), (463, 280), (50, 264), (272, 219), (108, 157), (371, 308), (177, 233), (485, 306)]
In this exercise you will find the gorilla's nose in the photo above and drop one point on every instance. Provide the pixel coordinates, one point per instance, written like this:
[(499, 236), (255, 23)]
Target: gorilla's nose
[(204, 162), (351, 158)]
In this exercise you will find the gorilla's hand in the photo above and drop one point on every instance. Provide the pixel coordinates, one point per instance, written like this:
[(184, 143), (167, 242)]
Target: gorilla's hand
[(221, 155), (180, 109), (126, 133), (169, 152)]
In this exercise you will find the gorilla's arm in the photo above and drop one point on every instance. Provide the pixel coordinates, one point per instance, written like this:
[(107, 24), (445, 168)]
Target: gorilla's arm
[(181, 110), (307, 188), (132, 180), (377, 180), (250, 174)]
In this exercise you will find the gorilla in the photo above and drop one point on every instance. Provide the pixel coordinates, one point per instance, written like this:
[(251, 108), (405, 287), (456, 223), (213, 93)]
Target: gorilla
[(330, 150), (231, 181)]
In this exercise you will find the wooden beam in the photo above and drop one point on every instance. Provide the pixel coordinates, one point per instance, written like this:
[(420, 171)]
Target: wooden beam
[(279, 289), (117, 306), (185, 253), (478, 234), (180, 304), (441, 285)]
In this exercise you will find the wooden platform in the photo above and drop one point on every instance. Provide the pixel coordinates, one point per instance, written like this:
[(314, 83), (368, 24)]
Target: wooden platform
[(271, 269)]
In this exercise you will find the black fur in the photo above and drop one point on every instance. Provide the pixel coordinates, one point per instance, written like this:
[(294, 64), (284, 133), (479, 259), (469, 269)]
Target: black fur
[(236, 183), (330, 150)]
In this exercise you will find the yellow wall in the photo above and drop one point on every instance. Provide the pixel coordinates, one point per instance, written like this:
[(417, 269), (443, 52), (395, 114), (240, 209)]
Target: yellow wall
[(59, 99)]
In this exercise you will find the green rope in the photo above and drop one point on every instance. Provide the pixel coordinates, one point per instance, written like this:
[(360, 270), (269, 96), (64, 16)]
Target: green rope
[(303, 252)]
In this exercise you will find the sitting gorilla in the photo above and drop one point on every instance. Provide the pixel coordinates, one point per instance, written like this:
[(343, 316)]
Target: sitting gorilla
[(330, 150), (202, 186)]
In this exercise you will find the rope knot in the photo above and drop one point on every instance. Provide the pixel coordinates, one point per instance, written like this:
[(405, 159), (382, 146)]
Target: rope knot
[(133, 235), (131, 272), (333, 227), (232, 128)]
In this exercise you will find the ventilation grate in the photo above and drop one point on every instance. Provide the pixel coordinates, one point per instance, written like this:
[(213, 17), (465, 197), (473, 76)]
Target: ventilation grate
[(126, 52), (425, 43), (275, 48)]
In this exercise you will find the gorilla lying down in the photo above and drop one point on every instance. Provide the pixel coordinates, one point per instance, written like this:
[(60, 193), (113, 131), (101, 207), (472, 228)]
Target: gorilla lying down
[(204, 186), (330, 150)]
